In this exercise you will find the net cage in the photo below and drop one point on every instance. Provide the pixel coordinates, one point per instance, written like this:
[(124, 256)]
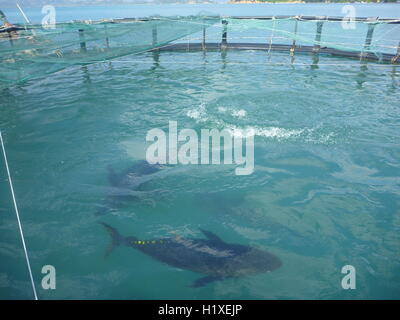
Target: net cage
[(33, 51), (362, 38)]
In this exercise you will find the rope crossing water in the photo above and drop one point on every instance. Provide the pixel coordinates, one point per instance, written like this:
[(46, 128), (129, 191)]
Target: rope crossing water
[(18, 219)]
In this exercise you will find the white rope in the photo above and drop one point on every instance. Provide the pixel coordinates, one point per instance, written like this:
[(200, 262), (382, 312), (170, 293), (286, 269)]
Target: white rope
[(18, 219)]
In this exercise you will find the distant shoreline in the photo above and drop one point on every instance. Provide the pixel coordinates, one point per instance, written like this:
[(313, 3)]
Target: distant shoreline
[(305, 2)]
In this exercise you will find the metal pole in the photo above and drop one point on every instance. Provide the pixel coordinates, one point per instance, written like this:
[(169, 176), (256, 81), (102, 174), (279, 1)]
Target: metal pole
[(368, 38), (317, 41), (82, 40), (294, 38), (224, 42), (107, 40), (397, 56), (156, 53), (10, 37), (203, 44), (154, 36)]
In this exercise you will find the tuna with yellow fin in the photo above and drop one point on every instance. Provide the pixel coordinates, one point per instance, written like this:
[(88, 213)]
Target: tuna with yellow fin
[(211, 256)]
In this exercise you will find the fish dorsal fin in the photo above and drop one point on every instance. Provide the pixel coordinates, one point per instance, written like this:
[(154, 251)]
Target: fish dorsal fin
[(212, 236)]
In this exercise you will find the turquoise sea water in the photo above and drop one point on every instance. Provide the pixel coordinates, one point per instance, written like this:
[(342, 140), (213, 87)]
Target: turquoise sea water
[(324, 194)]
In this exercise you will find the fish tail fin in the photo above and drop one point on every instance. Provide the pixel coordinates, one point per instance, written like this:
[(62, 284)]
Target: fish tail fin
[(116, 238)]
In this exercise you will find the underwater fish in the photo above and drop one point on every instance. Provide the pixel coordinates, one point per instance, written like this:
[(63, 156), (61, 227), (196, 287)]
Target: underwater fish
[(127, 185), (211, 257), (128, 177)]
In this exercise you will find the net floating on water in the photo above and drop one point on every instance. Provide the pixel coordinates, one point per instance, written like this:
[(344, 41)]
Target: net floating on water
[(367, 35), (31, 52)]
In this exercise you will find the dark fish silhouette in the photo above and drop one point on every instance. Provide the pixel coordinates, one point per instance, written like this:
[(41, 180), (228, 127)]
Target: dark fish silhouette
[(212, 257), (127, 185), (128, 177)]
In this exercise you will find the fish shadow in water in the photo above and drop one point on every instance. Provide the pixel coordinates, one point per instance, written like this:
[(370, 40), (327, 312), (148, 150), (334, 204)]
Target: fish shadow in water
[(129, 185)]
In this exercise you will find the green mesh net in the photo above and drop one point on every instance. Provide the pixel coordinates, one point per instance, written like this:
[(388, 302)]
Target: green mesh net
[(336, 33), (36, 52)]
